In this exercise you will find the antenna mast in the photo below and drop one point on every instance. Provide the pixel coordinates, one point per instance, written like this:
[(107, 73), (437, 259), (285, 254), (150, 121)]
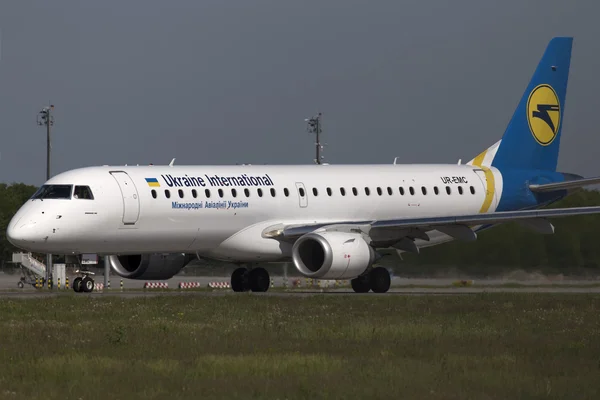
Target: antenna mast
[(315, 126)]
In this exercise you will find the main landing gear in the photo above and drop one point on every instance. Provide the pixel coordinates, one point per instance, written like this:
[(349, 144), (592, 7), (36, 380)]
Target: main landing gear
[(83, 283), (245, 279), (378, 280)]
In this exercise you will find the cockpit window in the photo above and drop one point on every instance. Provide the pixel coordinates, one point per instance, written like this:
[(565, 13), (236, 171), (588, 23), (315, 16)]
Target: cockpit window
[(53, 192), (83, 192)]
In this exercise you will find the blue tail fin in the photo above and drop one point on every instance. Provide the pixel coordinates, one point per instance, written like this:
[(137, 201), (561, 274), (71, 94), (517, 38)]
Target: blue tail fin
[(532, 138)]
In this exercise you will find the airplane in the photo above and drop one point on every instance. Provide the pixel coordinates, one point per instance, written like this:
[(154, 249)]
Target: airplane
[(332, 221)]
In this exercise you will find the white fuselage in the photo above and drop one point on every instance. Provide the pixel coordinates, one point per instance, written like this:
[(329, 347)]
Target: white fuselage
[(124, 217)]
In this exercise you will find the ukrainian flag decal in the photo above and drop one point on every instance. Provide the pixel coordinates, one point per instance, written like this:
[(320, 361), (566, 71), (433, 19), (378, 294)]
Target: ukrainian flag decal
[(152, 182)]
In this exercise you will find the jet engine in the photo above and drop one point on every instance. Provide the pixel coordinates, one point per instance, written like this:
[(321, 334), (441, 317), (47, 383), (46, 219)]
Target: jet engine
[(149, 266), (332, 255)]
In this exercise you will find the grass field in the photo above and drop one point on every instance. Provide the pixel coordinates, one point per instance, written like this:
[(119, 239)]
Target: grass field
[(485, 346)]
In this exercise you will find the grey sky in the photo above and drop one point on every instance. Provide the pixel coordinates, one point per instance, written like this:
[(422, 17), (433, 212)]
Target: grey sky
[(225, 82)]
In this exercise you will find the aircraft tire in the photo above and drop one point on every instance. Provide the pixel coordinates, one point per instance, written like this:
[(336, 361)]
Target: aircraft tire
[(87, 284), (380, 280), (259, 280), (361, 284), (239, 280), (77, 285)]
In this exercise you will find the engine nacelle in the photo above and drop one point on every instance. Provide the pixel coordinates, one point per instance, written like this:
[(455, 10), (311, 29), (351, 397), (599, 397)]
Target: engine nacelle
[(149, 266), (332, 255)]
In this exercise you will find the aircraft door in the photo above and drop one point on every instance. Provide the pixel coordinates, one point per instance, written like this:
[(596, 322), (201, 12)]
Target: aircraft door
[(131, 201), (488, 188), (302, 195)]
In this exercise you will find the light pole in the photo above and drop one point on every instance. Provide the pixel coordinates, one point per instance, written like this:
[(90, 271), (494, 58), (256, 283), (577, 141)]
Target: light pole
[(46, 118), (315, 126)]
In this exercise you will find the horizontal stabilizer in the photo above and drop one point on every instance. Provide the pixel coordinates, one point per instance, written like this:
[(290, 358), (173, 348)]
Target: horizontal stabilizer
[(574, 184)]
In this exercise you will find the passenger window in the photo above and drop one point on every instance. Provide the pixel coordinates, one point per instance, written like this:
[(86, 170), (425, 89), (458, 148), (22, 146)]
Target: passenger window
[(207, 193), (272, 192), (424, 190), (367, 191), (448, 190), (401, 191), (411, 190), (343, 191), (153, 193), (315, 192), (167, 193), (286, 192), (329, 191), (247, 192), (194, 193), (301, 191), (259, 191), (83, 192), (435, 190), (220, 191), (379, 191), (234, 192), (354, 191), (180, 193), (390, 191), (472, 190), (460, 190)]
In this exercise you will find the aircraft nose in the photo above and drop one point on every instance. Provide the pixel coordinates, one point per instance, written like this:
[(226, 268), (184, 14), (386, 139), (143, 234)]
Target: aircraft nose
[(19, 234)]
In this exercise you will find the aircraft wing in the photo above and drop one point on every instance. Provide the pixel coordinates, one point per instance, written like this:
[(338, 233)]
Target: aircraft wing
[(455, 226), (571, 184)]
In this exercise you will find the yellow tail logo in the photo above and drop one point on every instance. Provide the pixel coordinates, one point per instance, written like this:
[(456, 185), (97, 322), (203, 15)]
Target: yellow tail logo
[(543, 114)]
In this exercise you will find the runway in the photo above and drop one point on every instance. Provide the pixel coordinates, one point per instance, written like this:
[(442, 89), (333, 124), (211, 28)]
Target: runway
[(414, 291), (400, 286)]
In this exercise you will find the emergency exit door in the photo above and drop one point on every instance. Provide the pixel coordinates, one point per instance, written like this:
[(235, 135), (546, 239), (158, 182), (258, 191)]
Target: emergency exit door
[(302, 196)]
